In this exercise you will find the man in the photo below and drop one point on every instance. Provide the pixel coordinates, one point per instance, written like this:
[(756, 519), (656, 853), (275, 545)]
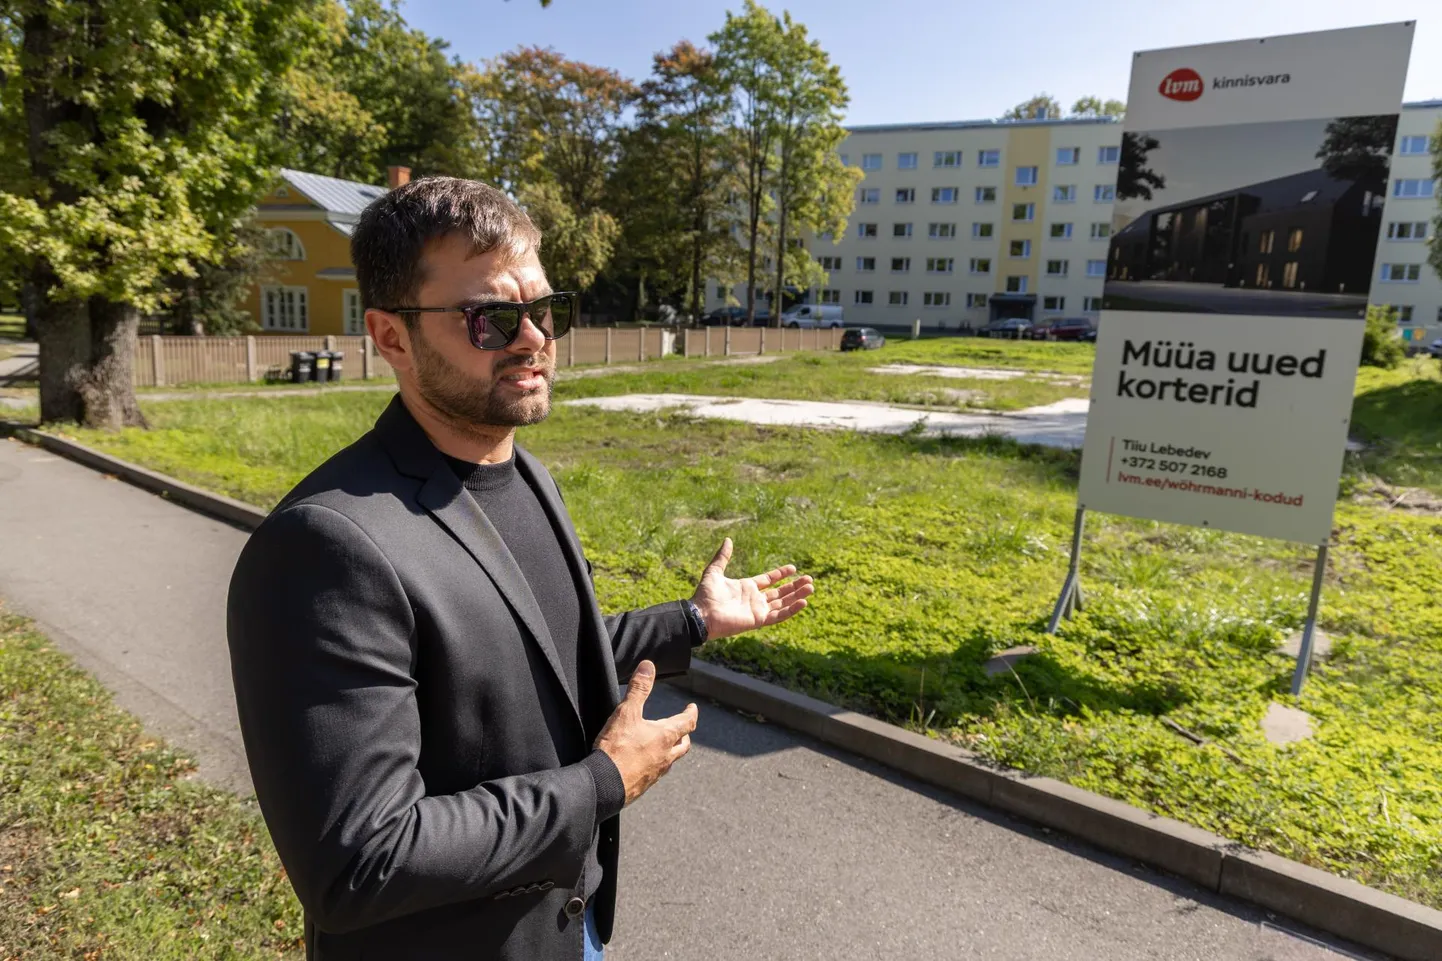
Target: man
[(427, 690)]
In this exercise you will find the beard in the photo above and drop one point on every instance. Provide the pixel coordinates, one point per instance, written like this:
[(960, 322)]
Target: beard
[(479, 402)]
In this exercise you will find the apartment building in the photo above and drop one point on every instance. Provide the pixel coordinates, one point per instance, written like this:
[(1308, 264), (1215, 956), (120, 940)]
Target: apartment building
[(962, 224)]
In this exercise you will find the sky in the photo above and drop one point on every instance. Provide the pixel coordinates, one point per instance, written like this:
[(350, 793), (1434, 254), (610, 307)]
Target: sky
[(930, 60)]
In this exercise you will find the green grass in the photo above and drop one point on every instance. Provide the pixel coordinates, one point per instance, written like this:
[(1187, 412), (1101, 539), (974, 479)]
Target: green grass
[(12, 327), (108, 850), (1398, 413)]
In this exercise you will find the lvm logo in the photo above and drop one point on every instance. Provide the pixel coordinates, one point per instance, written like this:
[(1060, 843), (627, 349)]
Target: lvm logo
[(1182, 84)]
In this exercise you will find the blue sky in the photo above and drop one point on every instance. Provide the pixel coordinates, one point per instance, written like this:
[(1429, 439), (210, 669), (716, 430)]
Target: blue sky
[(929, 60)]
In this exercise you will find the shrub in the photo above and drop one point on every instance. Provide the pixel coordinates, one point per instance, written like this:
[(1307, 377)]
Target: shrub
[(1380, 345)]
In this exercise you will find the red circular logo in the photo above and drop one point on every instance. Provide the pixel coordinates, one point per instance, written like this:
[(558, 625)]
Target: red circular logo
[(1182, 84)]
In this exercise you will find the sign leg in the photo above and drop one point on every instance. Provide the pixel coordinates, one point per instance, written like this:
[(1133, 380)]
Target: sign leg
[(1070, 600), (1304, 653)]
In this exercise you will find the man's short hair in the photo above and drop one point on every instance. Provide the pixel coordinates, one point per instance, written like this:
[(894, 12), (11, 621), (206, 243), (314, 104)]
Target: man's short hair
[(394, 230)]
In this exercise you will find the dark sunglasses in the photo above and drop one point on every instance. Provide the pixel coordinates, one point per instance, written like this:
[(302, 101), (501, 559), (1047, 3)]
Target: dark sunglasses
[(494, 326)]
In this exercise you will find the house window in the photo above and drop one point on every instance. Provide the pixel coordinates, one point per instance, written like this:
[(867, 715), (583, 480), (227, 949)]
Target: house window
[(284, 308), (285, 244), (940, 265), (900, 265), (863, 297), (871, 161), (1294, 240), (350, 310), (976, 300), (1404, 314), (827, 263), (936, 298), (1096, 268), (981, 231), (830, 296), (906, 195), (1402, 273), (988, 158), (1061, 231), (1268, 239), (1091, 305), (943, 195), (1413, 188), (986, 195), (1026, 176), (1289, 275), (1264, 275), (1064, 193), (1053, 303), (1021, 212), (940, 231), (869, 195), (901, 230), (1109, 155), (1016, 284), (1104, 193), (1410, 146), (946, 158), (1407, 230), (845, 160), (1020, 249), (896, 298), (866, 230), (1056, 268), (865, 264), (1101, 231), (906, 161), (721, 291), (981, 265), (282, 192), (1068, 156)]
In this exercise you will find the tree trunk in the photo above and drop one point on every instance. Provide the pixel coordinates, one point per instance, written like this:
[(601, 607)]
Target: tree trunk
[(30, 306), (778, 304), (87, 363)]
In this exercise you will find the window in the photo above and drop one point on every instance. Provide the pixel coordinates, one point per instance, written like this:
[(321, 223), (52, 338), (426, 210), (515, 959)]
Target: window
[(1020, 212), (986, 195), (284, 308), (1016, 284), (1064, 193), (1105, 193), (1068, 156), (864, 264), (988, 158), (1289, 275), (1020, 249), (1101, 231), (906, 195), (1061, 231), (827, 263), (830, 296), (285, 244), (981, 265), (845, 160), (946, 158), (721, 291), (1402, 273), (1096, 268), (1413, 188), (866, 230), (863, 297), (1404, 314), (900, 265), (282, 192), (943, 195), (1412, 145), (940, 265), (1056, 268), (1264, 275), (1026, 176), (940, 231), (351, 313), (869, 195), (1294, 240), (1090, 305), (1268, 239), (1053, 303), (1109, 155), (896, 298), (936, 298), (982, 231), (906, 161), (1413, 230), (901, 230), (976, 300), (871, 161)]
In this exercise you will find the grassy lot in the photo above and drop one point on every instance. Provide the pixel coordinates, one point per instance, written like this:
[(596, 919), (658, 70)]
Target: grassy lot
[(932, 555), (107, 850), (1399, 414), (12, 327)]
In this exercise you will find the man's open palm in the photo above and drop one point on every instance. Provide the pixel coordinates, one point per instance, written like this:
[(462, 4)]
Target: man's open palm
[(732, 606)]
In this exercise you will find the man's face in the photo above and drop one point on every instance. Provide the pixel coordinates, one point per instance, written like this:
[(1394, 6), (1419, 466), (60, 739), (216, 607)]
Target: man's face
[(510, 387)]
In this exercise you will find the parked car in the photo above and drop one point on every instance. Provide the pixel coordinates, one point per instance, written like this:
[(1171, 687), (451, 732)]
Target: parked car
[(1089, 337), (735, 317), (1066, 328), (1012, 327), (813, 315), (862, 338), (1434, 349)]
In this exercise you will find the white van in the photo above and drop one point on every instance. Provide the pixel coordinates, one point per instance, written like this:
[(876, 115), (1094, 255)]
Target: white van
[(813, 315)]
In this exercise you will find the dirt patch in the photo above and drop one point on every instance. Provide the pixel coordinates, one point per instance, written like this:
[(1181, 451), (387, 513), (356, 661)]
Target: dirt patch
[(709, 523), (1412, 499)]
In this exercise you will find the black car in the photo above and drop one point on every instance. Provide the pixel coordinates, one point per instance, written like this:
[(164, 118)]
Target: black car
[(735, 317), (862, 338), (1089, 337), (1013, 328)]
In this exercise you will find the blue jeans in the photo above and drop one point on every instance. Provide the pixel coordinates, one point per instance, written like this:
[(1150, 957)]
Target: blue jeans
[(594, 952)]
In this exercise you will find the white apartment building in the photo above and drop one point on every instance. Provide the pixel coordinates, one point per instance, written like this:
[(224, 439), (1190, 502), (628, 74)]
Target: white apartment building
[(1403, 277)]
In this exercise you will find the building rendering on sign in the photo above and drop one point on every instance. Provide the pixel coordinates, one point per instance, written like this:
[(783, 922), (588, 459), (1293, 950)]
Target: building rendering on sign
[(964, 223)]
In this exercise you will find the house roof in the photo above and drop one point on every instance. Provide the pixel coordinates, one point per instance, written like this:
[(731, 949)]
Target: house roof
[(344, 197), (1309, 186)]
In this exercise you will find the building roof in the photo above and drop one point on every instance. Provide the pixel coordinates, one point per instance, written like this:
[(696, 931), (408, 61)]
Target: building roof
[(344, 197), (1280, 193)]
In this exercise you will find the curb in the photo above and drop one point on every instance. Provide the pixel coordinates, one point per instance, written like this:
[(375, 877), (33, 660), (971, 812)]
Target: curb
[(1338, 906)]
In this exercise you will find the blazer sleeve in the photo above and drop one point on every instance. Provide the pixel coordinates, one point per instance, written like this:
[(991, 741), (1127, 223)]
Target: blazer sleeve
[(661, 634), (321, 639)]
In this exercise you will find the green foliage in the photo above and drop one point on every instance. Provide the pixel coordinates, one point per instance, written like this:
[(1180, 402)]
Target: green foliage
[(1359, 148), (1043, 104), (1434, 242), (1395, 415), (1381, 347), (1096, 107)]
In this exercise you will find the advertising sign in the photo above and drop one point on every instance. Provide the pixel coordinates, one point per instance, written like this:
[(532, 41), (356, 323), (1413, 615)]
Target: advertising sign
[(1250, 194)]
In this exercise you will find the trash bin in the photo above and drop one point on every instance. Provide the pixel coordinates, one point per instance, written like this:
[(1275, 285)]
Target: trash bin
[(322, 366), (337, 364), (302, 366)]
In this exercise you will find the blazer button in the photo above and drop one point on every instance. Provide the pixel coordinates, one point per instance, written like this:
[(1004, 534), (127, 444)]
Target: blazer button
[(575, 908), (547, 885)]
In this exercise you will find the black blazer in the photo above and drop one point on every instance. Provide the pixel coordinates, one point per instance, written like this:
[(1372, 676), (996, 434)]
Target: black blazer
[(412, 741)]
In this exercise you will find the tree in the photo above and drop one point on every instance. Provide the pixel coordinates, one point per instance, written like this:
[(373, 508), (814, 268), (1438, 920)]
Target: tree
[(1134, 177), (1096, 107), (208, 300), (1434, 243), (1359, 148), (1381, 347), (1041, 107), (146, 124)]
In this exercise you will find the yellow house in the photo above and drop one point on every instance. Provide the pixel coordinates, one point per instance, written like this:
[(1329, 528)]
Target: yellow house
[(310, 219)]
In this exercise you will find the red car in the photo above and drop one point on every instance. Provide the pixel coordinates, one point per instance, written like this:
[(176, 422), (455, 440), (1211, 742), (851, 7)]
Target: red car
[(1067, 328)]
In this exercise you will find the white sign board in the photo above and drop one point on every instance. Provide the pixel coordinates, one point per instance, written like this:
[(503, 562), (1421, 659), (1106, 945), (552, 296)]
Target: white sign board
[(1250, 195)]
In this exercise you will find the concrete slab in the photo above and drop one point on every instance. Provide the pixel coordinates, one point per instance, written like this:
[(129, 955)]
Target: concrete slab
[(1286, 725), (1002, 661), (1321, 645), (978, 373)]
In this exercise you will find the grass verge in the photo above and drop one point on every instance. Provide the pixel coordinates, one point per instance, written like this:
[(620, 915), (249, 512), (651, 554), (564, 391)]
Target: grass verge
[(107, 850)]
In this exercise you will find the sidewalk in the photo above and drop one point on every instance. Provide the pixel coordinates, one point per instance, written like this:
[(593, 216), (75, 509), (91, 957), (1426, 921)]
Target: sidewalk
[(759, 845)]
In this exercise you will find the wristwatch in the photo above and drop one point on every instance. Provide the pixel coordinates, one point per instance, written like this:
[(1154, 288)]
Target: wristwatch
[(698, 624)]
